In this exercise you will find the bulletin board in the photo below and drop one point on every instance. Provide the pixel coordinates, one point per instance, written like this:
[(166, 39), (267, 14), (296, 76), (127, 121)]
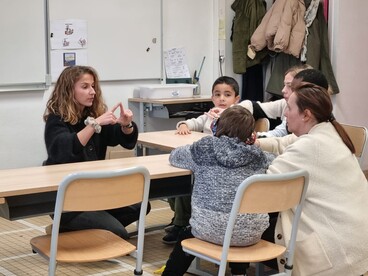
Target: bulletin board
[(124, 36), (23, 53)]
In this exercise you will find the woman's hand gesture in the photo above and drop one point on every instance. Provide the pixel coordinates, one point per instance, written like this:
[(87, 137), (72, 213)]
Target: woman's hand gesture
[(109, 118)]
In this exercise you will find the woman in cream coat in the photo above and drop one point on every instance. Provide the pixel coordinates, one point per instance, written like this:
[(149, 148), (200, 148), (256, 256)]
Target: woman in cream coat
[(332, 237)]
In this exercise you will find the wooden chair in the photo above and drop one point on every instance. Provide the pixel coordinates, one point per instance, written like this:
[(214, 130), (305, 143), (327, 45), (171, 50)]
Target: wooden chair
[(359, 137), (257, 194), (119, 152), (92, 191), (262, 125)]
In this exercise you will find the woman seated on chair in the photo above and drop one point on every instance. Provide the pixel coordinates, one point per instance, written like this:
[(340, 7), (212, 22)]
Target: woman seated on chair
[(79, 128), (332, 236), (220, 163)]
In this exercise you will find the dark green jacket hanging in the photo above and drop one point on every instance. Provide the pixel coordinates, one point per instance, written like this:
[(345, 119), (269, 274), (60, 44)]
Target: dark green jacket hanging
[(248, 15)]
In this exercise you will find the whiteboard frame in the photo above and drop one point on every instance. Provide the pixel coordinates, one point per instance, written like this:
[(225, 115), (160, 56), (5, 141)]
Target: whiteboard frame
[(27, 83), (137, 23)]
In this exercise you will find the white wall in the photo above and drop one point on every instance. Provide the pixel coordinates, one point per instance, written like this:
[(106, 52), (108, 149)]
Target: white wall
[(187, 23), (349, 38), (191, 24), (21, 138), (194, 25)]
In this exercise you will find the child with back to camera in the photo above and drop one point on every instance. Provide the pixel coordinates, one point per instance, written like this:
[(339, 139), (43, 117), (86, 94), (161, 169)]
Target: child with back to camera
[(219, 164), (225, 93)]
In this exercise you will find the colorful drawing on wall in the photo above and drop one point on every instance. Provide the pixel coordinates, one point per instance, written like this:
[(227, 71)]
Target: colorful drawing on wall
[(69, 59)]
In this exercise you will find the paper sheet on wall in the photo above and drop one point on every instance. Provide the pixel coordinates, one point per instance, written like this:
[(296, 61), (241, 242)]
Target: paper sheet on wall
[(60, 59), (68, 41), (175, 63), (68, 34)]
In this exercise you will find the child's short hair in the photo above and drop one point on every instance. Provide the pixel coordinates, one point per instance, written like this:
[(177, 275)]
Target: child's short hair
[(229, 81), (236, 121), (313, 76)]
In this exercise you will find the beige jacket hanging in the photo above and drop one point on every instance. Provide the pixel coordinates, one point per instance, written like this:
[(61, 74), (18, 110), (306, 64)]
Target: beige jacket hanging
[(282, 29)]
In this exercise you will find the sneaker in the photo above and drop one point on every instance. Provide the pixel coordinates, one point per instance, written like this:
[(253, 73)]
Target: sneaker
[(172, 236), (168, 228)]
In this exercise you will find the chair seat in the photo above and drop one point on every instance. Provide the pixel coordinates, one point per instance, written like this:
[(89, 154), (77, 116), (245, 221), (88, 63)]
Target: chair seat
[(84, 246), (261, 251)]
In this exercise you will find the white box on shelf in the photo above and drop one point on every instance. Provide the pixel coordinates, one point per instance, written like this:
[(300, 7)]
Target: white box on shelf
[(166, 91)]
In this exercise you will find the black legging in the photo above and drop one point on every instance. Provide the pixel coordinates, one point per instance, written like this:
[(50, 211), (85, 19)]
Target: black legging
[(269, 235), (114, 220)]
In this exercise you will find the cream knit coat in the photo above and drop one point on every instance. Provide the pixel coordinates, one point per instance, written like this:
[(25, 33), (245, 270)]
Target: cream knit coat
[(333, 230)]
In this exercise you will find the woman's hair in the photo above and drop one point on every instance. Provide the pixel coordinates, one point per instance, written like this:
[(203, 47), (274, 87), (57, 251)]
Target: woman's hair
[(316, 99), (229, 81), (236, 121), (62, 101), (297, 68)]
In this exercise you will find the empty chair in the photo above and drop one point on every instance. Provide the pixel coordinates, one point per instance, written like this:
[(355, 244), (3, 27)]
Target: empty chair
[(257, 194), (359, 137), (93, 191), (262, 125)]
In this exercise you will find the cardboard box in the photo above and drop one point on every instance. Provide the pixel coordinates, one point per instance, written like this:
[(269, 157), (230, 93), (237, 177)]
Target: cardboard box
[(166, 91)]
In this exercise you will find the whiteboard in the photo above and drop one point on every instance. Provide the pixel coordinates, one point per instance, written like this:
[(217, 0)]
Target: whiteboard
[(124, 36), (23, 43)]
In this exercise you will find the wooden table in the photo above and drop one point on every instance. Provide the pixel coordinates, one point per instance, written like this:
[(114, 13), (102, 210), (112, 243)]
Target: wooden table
[(31, 191), (167, 140)]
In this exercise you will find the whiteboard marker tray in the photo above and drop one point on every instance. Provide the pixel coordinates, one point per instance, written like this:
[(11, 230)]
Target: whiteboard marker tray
[(166, 91)]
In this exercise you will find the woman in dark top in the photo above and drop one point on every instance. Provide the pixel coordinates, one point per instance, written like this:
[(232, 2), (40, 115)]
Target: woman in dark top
[(79, 127)]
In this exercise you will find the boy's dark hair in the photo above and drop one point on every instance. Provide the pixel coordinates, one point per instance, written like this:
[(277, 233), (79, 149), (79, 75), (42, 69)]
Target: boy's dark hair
[(313, 76), (229, 81), (236, 121)]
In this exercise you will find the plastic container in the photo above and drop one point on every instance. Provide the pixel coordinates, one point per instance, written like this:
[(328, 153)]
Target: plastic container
[(166, 91)]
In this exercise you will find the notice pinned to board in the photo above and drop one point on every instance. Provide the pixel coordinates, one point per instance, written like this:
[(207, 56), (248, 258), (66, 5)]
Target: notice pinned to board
[(68, 34), (176, 66), (68, 39)]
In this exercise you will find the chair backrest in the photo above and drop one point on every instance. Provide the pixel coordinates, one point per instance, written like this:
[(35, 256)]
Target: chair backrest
[(118, 152), (262, 125), (359, 137), (102, 190), (271, 193), (92, 191), (267, 193)]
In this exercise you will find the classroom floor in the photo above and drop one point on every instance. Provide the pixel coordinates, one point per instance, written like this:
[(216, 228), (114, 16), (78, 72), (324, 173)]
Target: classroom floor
[(16, 257)]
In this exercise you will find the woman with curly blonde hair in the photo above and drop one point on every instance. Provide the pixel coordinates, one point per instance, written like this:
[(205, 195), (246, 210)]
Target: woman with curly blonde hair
[(79, 127)]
